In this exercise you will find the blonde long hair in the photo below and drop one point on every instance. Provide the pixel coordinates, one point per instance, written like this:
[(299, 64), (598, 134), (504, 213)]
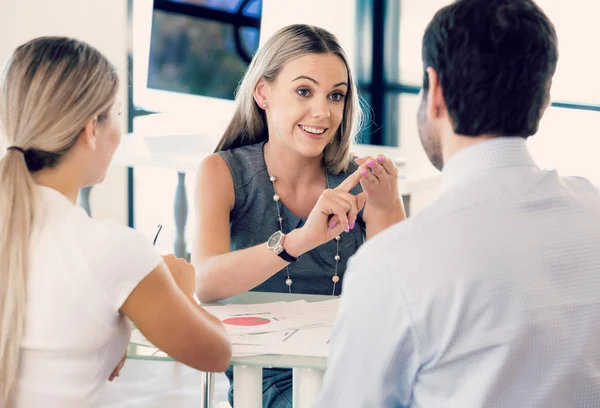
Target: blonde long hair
[(249, 123), (50, 89)]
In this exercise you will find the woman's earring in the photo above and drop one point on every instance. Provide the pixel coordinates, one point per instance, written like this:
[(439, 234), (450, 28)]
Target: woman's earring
[(264, 106)]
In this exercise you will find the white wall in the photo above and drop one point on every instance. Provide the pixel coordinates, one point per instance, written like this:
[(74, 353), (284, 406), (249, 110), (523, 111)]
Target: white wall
[(102, 23)]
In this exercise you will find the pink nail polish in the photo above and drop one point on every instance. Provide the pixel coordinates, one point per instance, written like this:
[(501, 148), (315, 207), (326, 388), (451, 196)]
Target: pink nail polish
[(364, 173), (371, 163), (381, 159), (352, 224), (347, 229), (332, 224)]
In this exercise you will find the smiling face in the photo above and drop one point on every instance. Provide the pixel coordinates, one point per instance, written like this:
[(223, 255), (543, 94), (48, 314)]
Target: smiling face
[(305, 103)]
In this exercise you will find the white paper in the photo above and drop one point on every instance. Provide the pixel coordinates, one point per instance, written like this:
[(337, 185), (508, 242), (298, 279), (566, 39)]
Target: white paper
[(297, 328), (312, 342), (324, 311), (263, 318)]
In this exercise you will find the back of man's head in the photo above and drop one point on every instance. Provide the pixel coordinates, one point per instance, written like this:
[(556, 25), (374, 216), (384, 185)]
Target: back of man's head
[(495, 60)]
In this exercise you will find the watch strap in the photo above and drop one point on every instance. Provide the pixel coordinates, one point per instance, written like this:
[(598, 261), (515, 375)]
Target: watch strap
[(287, 257)]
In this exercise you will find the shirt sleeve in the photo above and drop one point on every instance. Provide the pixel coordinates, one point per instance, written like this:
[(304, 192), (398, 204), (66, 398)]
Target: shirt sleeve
[(119, 258), (373, 354)]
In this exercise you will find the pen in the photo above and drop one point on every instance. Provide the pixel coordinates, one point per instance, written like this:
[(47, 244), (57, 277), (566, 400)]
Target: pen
[(157, 232)]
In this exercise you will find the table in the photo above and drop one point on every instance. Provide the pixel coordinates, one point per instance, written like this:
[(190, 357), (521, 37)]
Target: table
[(307, 371)]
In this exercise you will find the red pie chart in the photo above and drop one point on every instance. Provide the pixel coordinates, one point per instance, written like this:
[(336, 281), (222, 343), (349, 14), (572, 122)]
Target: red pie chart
[(246, 321)]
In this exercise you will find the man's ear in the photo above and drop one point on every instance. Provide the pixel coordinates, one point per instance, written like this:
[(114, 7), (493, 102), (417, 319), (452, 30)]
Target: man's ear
[(436, 104)]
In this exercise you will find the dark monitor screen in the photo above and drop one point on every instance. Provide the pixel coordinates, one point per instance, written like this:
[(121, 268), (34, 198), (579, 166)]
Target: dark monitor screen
[(202, 47)]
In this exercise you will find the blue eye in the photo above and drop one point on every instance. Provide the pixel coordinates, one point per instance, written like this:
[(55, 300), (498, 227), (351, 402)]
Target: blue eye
[(337, 97), (303, 92)]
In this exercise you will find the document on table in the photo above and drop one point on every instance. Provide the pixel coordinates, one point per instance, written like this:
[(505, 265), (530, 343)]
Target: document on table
[(324, 311), (261, 318), (297, 328), (312, 342)]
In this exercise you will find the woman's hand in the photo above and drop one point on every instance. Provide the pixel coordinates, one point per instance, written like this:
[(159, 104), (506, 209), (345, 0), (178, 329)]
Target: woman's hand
[(115, 373), (384, 206), (336, 211), (380, 182)]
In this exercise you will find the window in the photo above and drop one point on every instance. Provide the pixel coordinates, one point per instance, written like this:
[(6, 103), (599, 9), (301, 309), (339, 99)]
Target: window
[(191, 55), (203, 54)]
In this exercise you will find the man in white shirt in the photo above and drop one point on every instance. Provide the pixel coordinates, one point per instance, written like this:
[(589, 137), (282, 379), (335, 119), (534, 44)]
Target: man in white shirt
[(490, 297)]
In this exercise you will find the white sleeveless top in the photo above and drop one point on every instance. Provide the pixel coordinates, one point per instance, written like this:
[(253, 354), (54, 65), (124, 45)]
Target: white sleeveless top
[(82, 271)]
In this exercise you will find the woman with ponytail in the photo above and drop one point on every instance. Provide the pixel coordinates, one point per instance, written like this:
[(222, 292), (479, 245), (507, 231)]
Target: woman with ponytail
[(68, 282)]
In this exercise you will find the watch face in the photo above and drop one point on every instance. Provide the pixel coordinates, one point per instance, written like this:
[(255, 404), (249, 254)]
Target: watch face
[(274, 240)]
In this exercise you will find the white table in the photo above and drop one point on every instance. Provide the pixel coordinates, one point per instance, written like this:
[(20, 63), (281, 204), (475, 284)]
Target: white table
[(308, 371)]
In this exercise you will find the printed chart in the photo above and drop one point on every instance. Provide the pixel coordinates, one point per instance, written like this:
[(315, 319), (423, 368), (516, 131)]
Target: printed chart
[(246, 321)]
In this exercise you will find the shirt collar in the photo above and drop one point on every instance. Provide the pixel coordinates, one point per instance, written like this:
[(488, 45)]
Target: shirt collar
[(499, 152), (54, 197)]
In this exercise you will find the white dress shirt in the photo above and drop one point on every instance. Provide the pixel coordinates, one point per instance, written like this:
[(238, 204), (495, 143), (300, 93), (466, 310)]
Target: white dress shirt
[(490, 297), (81, 272)]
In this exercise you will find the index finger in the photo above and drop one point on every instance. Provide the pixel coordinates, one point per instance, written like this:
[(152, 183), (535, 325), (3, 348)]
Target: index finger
[(351, 181)]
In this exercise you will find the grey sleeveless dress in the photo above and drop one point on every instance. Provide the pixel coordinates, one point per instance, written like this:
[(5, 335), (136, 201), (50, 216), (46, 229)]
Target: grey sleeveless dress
[(252, 221)]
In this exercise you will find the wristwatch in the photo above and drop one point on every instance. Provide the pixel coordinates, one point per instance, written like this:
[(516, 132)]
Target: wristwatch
[(275, 244)]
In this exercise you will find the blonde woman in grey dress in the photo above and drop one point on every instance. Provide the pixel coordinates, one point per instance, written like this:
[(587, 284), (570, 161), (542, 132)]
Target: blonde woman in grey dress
[(281, 206)]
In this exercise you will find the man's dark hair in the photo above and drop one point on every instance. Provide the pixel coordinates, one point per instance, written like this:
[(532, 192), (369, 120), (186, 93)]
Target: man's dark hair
[(495, 60)]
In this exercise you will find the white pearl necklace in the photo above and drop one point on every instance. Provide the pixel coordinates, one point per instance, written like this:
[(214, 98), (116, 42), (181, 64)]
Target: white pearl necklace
[(335, 278)]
